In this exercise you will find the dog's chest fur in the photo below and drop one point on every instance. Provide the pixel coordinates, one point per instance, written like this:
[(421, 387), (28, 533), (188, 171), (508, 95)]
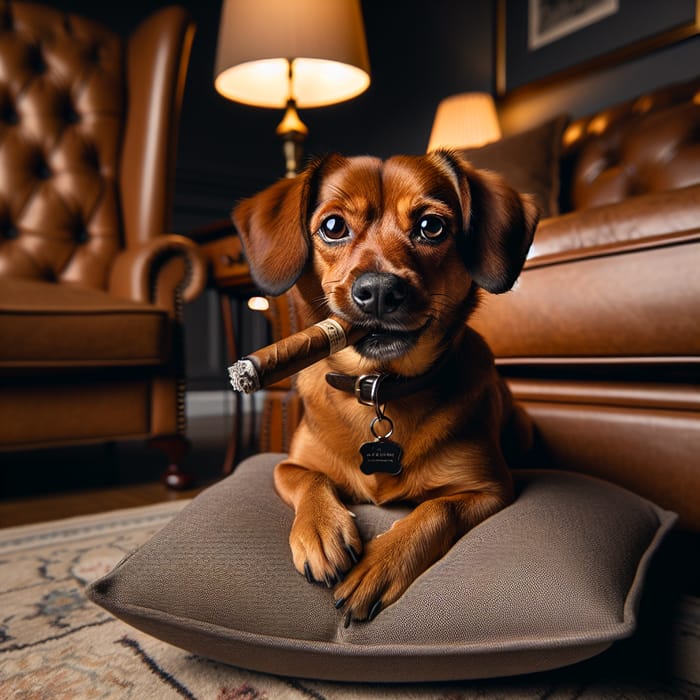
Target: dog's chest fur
[(435, 428)]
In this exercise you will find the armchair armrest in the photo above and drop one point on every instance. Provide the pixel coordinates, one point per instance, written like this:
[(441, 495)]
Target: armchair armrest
[(165, 271)]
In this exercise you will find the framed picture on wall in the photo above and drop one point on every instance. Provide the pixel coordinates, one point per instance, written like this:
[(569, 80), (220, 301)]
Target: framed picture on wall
[(545, 40)]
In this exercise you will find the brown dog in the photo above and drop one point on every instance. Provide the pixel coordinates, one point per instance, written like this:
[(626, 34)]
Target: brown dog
[(401, 247)]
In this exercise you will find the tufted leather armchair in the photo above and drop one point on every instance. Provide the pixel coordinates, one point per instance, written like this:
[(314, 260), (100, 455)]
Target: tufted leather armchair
[(91, 285)]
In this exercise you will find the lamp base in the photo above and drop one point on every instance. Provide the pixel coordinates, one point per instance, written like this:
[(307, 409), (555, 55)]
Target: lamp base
[(292, 148), (293, 132)]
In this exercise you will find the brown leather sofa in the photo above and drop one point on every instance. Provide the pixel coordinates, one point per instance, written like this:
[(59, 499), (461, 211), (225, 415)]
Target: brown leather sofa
[(601, 337), (91, 285)]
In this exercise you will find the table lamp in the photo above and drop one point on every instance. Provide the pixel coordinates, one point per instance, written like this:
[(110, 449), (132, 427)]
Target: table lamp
[(291, 53), (467, 120)]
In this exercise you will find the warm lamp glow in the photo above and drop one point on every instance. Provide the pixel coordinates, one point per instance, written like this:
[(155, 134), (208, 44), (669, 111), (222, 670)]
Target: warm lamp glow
[(467, 120), (258, 304), (315, 83), (324, 40)]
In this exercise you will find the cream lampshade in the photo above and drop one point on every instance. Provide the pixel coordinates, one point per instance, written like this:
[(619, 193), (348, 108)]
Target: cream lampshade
[(289, 54), (466, 120)]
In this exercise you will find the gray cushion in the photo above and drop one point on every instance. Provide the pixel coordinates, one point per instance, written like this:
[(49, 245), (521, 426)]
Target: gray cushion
[(551, 580)]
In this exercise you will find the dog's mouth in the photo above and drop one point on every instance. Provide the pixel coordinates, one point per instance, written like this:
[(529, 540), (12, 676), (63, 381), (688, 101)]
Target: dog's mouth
[(386, 344)]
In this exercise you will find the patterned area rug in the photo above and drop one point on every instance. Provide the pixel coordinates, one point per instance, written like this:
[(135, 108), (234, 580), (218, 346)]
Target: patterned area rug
[(56, 644)]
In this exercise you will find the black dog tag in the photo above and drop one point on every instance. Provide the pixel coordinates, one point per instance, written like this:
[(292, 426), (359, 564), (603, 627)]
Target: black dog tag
[(381, 457)]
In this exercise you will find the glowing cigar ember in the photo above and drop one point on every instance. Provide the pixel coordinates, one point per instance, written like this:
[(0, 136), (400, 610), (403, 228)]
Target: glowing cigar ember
[(292, 354)]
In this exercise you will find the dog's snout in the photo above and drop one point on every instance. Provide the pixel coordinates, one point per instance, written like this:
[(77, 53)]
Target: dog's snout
[(379, 294)]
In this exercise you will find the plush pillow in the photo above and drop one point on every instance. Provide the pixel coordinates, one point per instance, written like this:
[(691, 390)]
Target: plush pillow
[(551, 580), (529, 161)]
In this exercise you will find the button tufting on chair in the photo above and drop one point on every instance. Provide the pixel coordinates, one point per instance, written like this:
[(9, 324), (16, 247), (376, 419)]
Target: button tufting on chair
[(649, 144)]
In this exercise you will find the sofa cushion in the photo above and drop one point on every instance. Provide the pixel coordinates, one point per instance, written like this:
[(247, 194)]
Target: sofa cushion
[(61, 325), (529, 161), (553, 579), (40, 412)]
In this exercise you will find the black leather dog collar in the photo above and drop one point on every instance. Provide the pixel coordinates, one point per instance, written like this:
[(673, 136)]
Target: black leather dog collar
[(391, 387)]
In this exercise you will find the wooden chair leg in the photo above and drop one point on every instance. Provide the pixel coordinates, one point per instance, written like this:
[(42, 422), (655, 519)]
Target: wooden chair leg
[(233, 445), (175, 448), (230, 458)]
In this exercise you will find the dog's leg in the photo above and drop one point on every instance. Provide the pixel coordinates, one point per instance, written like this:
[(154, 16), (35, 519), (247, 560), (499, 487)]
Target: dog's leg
[(324, 538), (394, 559)]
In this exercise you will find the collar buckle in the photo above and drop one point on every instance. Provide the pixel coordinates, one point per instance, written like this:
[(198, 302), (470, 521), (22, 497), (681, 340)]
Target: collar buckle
[(367, 388)]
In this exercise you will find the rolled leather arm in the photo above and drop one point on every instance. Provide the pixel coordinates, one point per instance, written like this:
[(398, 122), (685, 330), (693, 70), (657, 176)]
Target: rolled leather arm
[(163, 271), (634, 222)]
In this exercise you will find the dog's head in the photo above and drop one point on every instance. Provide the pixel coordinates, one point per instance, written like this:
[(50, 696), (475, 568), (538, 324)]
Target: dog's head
[(398, 246)]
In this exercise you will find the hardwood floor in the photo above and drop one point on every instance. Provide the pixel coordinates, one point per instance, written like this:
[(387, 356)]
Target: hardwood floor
[(65, 505), (53, 484)]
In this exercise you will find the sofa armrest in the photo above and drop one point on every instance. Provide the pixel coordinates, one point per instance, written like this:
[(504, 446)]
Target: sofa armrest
[(632, 224), (163, 271), (606, 286)]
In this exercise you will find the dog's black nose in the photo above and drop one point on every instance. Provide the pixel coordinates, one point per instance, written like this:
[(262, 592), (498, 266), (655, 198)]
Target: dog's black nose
[(379, 294)]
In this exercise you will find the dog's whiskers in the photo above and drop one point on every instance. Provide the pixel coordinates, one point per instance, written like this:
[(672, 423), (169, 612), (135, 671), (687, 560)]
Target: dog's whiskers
[(321, 303), (445, 303)]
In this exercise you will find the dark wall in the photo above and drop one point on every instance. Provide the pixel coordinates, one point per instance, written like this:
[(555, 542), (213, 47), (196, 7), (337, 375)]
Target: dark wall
[(593, 91)]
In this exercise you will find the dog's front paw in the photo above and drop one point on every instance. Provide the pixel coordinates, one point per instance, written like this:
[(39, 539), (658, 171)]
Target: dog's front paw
[(325, 543), (379, 579)]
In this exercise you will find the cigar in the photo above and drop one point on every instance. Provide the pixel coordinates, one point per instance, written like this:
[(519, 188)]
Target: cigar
[(292, 354)]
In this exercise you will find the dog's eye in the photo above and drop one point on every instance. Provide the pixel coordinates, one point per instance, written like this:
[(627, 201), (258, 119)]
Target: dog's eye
[(333, 229), (431, 228)]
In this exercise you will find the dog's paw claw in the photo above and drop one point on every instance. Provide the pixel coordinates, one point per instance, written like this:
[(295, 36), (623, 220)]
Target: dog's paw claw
[(326, 547), (353, 554), (374, 610)]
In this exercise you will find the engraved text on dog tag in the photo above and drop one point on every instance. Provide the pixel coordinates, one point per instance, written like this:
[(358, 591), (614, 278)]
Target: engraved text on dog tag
[(382, 456)]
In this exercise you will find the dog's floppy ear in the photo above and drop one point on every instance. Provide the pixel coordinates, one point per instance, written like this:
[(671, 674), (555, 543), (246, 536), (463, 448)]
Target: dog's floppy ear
[(499, 225), (273, 229)]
